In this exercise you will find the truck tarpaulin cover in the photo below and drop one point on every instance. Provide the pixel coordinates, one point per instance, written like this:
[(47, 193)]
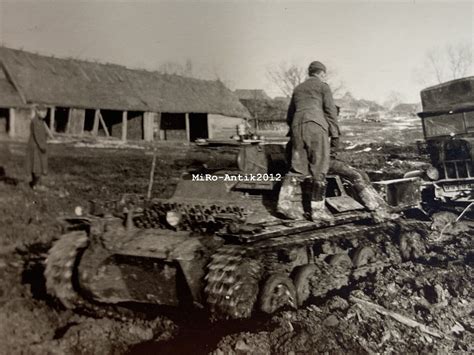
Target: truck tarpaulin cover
[(452, 95)]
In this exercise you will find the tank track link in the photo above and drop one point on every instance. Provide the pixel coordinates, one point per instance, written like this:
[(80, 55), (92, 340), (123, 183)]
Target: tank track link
[(60, 273), (195, 216)]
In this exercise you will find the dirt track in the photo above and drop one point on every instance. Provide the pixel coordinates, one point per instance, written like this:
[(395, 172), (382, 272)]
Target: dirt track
[(437, 293)]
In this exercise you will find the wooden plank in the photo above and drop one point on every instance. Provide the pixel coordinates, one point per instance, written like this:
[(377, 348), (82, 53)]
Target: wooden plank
[(106, 130), (52, 117), (124, 125), (68, 123), (95, 127), (398, 317), (12, 122)]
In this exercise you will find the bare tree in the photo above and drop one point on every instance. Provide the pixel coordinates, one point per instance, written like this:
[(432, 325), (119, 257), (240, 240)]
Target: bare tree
[(445, 63), (287, 76)]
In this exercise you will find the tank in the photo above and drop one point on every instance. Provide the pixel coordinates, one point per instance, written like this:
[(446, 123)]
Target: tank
[(218, 243), (448, 128)]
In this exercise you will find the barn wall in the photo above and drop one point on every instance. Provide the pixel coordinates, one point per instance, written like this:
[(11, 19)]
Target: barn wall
[(223, 127)]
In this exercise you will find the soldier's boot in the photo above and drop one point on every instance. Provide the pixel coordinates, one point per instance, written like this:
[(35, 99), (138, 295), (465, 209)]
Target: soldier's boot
[(316, 190), (375, 203), (290, 203)]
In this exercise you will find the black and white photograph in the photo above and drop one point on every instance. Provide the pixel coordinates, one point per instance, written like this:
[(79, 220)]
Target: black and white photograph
[(236, 177)]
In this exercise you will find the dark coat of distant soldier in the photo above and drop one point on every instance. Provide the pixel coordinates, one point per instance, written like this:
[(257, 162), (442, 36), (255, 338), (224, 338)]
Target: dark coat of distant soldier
[(36, 152)]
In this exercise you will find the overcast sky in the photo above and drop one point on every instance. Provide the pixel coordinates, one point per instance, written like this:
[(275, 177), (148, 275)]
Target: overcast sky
[(375, 47)]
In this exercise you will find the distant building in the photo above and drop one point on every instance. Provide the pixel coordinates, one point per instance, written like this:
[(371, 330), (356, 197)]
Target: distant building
[(404, 109), (350, 107), (267, 114), (87, 98)]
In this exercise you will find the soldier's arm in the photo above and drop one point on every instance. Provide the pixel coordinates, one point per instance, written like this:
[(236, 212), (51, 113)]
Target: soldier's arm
[(330, 111), (39, 134)]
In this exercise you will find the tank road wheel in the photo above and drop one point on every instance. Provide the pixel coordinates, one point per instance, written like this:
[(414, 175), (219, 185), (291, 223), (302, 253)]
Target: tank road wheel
[(277, 292), (363, 256), (341, 260), (411, 246), (303, 282), (60, 267)]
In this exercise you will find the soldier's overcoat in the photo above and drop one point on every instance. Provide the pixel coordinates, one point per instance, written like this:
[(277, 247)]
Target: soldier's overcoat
[(36, 151)]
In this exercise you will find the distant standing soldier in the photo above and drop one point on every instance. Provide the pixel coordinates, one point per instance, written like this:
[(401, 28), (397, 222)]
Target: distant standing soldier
[(36, 153), (312, 117)]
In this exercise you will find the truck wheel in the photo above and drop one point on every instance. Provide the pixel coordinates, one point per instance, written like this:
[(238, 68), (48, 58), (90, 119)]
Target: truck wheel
[(363, 256), (277, 292), (302, 282)]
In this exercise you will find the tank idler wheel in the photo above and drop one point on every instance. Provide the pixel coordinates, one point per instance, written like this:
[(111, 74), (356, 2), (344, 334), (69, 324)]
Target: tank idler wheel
[(342, 260), (363, 256), (411, 246), (277, 292), (302, 282)]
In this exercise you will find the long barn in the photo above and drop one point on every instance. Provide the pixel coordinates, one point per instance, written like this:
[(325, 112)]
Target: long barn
[(88, 98)]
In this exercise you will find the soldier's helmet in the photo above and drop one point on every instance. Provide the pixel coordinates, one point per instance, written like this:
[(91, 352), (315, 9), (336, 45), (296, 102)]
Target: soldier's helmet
[(316, 66)]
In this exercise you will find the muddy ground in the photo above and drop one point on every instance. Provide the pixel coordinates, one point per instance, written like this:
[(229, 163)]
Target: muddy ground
[(436, 292)]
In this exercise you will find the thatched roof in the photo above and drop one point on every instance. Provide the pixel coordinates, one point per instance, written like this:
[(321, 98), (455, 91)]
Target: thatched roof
[(83, 84), (9, 97), (252, 94)]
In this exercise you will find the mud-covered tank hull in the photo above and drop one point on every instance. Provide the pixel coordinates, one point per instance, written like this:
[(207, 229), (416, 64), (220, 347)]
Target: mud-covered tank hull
[(221, 245)]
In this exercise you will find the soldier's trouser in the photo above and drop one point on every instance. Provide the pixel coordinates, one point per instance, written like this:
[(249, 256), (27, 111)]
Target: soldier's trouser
[(310, 151)]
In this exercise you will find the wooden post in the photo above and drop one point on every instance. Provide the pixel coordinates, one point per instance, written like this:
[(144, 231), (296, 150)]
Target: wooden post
[(124, 125), (95, 127), (68, 123), (148, 126), (152, 175), (52, 116), (101, 119), (188, 135), (210, 134), (12, 123)]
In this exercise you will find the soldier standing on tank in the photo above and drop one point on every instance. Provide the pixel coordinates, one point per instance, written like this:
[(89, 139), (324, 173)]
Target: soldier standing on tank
[(36, 152), (312, 117)]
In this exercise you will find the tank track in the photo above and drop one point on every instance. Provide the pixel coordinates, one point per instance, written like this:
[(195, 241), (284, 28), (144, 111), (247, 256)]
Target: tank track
[(232, 283), (225, 270), (60, 272)]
